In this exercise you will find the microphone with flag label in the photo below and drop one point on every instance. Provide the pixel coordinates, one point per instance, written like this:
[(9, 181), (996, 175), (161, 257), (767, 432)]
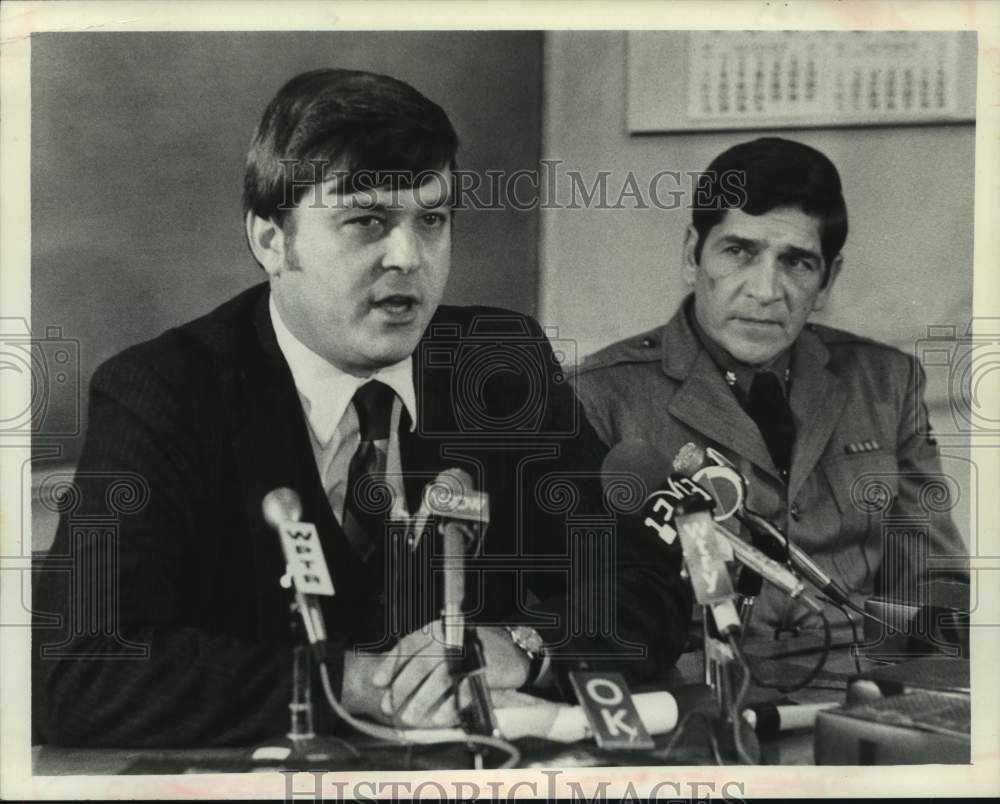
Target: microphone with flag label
[(305, 572), (730, 490), (651, 464), (306, 569), (705, 563), (678, 508), (712, 477), (462, 515)]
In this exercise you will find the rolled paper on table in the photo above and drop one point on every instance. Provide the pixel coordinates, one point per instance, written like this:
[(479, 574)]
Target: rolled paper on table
[(558, 722), (568, 724)]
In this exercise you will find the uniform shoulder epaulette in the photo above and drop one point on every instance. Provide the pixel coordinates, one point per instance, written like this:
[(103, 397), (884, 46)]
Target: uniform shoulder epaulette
[(641, 348)]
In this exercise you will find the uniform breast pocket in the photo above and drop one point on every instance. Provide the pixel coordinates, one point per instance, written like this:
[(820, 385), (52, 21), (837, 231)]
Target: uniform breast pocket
[(864, 488)]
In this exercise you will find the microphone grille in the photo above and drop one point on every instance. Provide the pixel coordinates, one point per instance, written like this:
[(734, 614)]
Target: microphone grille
[(689, 459), (281, 505)]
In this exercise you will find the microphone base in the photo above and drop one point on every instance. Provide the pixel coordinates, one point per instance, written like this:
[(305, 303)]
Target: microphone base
[(303, 753)]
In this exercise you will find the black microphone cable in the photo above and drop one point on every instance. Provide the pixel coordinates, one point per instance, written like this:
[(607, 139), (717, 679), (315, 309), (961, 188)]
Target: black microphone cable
[(820, 664), (854, 629)]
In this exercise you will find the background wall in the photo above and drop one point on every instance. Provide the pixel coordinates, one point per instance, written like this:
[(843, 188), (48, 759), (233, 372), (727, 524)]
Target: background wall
[(609, 273), (138, 143)]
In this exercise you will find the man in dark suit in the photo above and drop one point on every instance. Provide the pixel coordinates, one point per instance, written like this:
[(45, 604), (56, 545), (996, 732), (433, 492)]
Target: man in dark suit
[(829, 427), (341, 369)]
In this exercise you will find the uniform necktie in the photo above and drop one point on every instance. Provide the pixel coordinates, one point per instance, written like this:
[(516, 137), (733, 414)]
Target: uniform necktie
[(364, 517), (768, 407)]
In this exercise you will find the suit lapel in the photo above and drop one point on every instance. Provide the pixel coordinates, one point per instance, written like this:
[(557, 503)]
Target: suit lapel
[(420, 451), (704, 401), (817, 400), (272, 449)]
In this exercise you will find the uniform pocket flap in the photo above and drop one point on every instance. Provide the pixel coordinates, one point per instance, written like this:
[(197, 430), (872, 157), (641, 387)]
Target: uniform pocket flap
[(863, 484)]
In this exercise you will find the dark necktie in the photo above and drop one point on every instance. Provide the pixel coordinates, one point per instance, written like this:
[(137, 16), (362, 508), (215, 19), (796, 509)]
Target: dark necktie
[(365, 503), (768, 407)]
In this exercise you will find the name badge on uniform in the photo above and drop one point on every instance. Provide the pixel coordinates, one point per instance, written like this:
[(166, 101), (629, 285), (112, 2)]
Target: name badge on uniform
[(856, 447)]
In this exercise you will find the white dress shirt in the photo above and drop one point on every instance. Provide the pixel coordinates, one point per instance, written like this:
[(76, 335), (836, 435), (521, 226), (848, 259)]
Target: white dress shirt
[(325, 393)]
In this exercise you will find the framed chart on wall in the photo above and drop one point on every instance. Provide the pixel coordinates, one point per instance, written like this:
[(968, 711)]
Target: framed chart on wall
[(721, 80)]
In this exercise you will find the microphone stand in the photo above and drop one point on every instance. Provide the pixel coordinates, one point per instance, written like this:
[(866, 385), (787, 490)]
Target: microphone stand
[(720, 660), (748, 588), (703, 559), (478, 716), (719, 665), (301, 747), (466, 662), (745, 608)]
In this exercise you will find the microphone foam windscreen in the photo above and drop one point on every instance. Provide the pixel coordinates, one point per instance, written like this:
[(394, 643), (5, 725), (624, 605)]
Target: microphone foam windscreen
[(635, 457)]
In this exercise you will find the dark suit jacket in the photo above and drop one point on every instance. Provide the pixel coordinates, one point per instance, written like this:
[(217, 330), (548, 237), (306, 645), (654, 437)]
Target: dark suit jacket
[(175, 628), (862, 471)]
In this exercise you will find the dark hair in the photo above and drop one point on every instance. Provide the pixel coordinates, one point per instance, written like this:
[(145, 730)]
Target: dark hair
[(768, 173), (339, 122)]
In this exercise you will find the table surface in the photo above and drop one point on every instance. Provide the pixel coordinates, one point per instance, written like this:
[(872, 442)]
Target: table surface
[(786, 659)]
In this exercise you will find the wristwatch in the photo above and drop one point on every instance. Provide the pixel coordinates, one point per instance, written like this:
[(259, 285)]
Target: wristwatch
[(530, 641)]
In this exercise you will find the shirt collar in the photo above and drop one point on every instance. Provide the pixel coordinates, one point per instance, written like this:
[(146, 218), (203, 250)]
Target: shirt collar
[(326, 391), (739, 375)]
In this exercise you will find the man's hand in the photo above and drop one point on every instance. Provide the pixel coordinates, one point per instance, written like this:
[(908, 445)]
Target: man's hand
[(411, 685)]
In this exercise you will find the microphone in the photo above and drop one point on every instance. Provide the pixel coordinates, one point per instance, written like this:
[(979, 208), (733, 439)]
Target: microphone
[(637, 480), (691, 460), (728, 488), (800, 559), (705, 563), (678, 507), (462, 515), (767, 568), (688, 457), (305, 563)]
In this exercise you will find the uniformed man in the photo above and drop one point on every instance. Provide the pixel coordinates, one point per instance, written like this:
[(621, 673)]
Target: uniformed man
[(826, 425)]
